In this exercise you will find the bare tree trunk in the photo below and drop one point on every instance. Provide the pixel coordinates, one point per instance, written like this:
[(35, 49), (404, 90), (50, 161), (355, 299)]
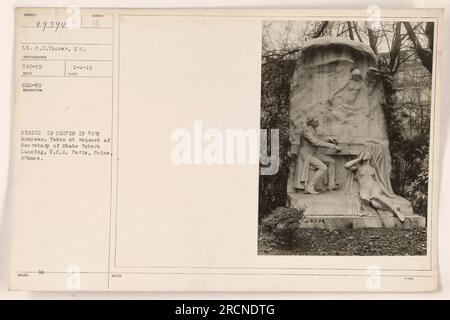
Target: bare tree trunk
[(425, 56), (350, 31), (395, 48), (372, 40), (429, 31)]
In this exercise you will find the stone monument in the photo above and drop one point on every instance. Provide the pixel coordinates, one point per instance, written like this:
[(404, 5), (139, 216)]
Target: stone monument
[(337, 125)]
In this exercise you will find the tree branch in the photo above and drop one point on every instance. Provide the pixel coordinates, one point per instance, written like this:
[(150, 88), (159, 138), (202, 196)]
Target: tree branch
[(395, 48), (322, 28), (357, 32)]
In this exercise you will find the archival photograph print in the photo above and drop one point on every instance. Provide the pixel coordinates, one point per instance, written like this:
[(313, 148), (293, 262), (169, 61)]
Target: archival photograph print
[(346, 109)]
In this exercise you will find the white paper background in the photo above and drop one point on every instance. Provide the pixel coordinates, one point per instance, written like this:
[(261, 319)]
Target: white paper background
[(6, 61)]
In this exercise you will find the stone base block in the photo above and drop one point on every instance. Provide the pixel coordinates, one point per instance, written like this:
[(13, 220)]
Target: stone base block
[(336, 203), (358, 222)]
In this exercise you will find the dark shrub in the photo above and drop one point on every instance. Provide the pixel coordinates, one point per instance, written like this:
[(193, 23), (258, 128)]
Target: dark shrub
[(282, 224)]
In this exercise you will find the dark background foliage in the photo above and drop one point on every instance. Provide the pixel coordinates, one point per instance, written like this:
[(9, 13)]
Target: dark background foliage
[(275, 93)]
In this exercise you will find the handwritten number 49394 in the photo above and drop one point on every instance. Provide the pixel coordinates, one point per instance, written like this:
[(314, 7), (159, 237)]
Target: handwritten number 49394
[(49, 25)]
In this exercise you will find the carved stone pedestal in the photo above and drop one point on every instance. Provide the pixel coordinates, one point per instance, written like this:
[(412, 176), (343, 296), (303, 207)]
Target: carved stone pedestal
[(337, 211)]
